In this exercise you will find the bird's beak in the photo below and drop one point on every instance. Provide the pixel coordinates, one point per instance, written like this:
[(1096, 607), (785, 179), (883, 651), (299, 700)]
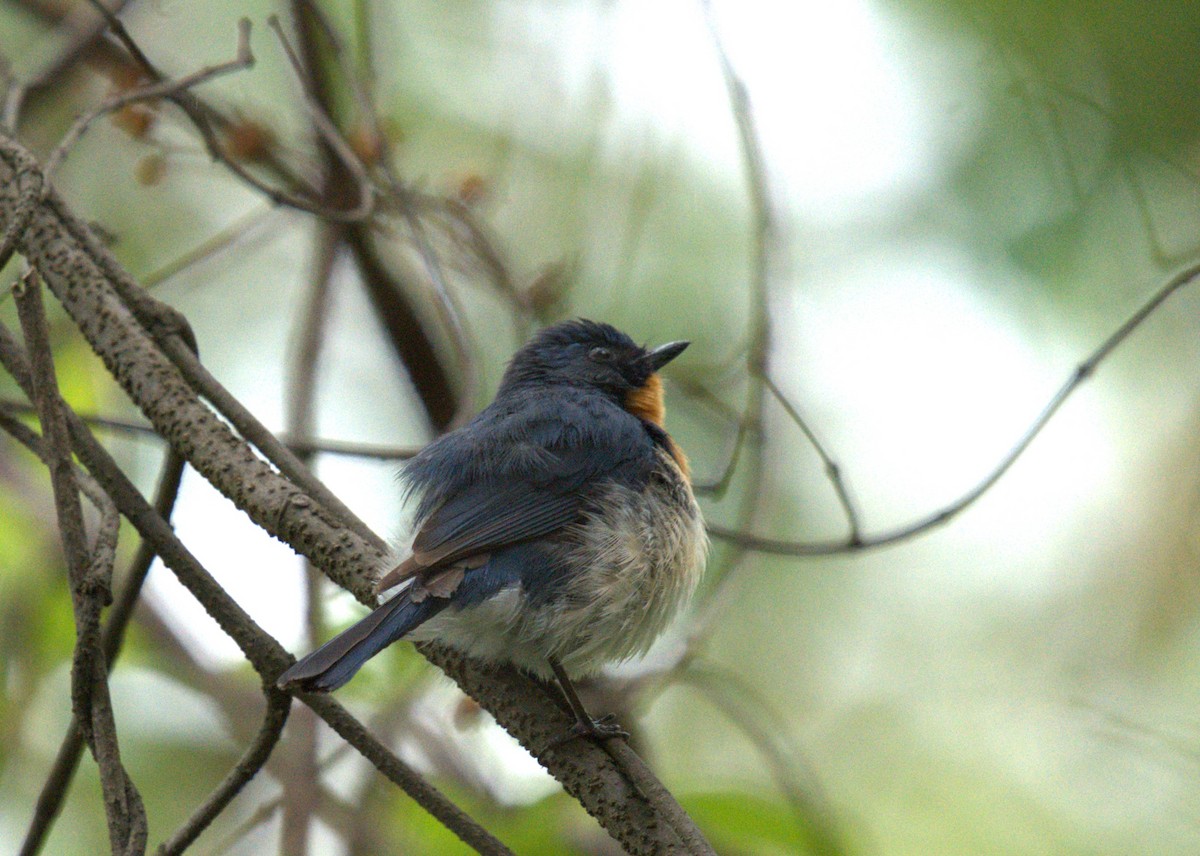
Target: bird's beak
[(663, 354)]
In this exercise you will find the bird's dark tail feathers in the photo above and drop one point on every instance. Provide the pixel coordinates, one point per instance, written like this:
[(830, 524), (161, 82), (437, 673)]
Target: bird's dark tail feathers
[(335, 662)]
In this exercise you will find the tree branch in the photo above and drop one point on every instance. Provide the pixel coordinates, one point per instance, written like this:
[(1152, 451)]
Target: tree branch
[(66, 761), (90, 575)]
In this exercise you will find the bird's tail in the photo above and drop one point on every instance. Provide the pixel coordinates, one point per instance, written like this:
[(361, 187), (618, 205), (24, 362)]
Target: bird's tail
[(335, 662)]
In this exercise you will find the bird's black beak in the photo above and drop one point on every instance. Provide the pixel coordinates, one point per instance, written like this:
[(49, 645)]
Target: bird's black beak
[(663, 354)]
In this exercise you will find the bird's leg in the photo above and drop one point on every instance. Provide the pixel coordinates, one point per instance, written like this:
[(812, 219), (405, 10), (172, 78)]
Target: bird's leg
[(604, 728)]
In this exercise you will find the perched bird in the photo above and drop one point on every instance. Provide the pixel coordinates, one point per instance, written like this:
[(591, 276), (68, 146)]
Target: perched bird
[(557, 530)]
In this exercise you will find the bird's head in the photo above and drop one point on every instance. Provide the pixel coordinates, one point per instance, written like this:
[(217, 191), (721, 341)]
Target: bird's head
[(592, 355)]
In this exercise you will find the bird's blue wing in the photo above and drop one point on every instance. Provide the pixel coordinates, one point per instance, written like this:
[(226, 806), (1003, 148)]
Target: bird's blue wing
[(537, 479)]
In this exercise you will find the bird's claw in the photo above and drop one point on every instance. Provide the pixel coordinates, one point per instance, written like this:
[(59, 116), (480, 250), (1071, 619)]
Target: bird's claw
[(604, 728)]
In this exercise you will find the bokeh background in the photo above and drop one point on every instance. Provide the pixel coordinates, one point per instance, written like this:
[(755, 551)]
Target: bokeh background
[(965, 200)]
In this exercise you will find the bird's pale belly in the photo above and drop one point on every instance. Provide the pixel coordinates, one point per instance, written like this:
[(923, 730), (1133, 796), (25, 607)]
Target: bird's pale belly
[(636, 560)]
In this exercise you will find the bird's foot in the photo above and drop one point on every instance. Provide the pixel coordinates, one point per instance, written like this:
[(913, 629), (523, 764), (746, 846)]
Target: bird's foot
[(604, 728)]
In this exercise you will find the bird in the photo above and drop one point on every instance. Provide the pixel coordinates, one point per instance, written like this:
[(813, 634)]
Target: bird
[(556, 530)]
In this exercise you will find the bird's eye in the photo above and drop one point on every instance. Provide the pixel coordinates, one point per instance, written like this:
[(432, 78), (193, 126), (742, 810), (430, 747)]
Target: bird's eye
[(600, 355)]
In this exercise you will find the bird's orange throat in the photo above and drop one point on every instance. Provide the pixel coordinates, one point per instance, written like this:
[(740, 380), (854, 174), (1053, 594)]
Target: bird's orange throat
[(646, 402)]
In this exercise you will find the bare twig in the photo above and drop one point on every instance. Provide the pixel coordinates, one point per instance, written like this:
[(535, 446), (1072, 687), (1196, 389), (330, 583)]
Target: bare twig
[(763, 260), (832, 470), (405, 333), (90, 576), (278, 705), (237, 233), (204, 118), (742, 429), (57, 783), (328, 131), (54, 791), (300, 799), (31, 440), (162, 89), (80, 41), (448, 308), (471, 235), (743, 706), (1082, 373), (403, 198), (414, 204), (298, 445), (385, 285)]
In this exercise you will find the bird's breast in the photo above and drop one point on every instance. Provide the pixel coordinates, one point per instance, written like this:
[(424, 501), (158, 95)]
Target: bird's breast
[(638, 555)]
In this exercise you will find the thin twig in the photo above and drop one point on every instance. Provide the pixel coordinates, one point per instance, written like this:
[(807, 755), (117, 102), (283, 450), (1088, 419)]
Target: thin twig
[(30, 439), (762, 263), (300, 799), (412, 202), (832, 470), (301, 386), (56, 787), (90, 576), (730, 693), (447, 306), (379, 724), (450, 815), (78, 44), (406, 334), (473, 236), (742, 430), (170, 89), (1083, 371), (204, 117), (411, 343), (298, 445), (255, 756), (328, 131), (236, 233)]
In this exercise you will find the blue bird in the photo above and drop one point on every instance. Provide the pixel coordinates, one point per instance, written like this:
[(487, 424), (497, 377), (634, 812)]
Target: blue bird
[(557, 530)]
